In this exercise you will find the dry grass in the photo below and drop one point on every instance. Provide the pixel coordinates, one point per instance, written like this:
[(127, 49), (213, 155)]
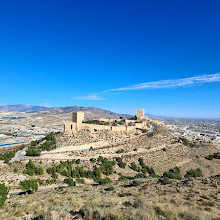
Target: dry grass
[(149, 199)]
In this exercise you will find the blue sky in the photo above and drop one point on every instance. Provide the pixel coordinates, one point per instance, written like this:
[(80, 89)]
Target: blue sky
[(63, 53)]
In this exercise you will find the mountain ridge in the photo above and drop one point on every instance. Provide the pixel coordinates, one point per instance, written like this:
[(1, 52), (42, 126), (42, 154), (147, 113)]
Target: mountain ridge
[(91, 112)]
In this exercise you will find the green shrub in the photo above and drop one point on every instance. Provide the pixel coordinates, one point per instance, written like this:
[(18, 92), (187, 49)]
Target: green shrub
[(32, 169), (69, 181), (104, 181), (65, 168), (32, 151), (7, 156), (173, 173), (121, 178), (92, 160), (213, 156), (29, 185), (140, 175), (120, 163), (145, 168), (78, 161), (120, 151), (194, 173), (81, 181), (3, 194), (134, 167), (15, 170), (49, 144)]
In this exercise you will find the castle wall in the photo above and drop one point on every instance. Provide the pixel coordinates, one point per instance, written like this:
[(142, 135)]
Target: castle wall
[(78, 117), (70, 127), (130, 128), (118, 128), (139, 125), (94, 127)]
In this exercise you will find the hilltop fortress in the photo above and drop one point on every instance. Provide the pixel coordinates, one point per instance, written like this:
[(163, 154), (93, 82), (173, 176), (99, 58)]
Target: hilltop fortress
[(124, 125)]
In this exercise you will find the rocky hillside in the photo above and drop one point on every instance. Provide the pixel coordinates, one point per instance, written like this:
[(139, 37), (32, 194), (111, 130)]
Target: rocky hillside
[(143, 199)]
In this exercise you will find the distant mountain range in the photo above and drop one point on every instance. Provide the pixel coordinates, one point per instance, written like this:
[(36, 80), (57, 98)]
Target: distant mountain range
[(90, 112), (21, 108)]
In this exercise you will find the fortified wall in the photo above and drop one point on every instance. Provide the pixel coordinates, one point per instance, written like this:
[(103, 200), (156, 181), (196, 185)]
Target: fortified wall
[(77, 124)]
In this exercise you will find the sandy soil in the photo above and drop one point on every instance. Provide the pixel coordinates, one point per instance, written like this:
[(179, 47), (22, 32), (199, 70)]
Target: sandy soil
[(79, 147)]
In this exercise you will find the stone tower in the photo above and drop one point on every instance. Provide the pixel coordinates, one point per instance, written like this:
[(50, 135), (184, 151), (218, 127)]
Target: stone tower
[(78, 117), (140, 114)]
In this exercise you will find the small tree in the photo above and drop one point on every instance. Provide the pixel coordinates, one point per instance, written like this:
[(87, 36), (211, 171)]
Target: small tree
[(29, 185), (104, 181), (69, 181), (194, 173), (3, 194)]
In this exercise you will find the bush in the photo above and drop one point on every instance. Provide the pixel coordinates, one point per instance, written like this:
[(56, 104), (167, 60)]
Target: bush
[(32, 151), (35, 150), (7, 156), (141, 162), (106, 166), (173, 174), (120, 151), (78, 161), (92, 160), (134, 167), (104, 181), (140, 175), (213, 156), (3, 194), (29, 185), (69, 181), (65, 168), (194, 173), (32, 169), (146, 169), (164, 180), (120, 163), (81, 181), (135, 183), (121, 178)]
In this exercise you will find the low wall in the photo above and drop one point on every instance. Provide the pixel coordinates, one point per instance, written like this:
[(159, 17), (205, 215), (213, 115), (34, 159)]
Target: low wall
[(139, 125), (118, 128), (131, 128), (94, 126)]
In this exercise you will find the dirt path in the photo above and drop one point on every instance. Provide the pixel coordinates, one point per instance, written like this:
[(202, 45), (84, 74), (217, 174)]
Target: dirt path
[(40, 189), (61, 157)]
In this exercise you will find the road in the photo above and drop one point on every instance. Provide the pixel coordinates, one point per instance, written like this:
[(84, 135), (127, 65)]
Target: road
[(19, 155)]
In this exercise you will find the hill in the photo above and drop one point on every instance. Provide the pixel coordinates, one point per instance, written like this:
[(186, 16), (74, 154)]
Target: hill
[(90, 112)]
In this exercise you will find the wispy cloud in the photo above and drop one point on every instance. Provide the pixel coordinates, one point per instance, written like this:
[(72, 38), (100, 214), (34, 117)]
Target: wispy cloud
[(89, 97), (160, 84), (171, 83)]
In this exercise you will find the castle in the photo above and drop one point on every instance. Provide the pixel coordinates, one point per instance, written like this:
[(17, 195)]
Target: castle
[(126, 125)]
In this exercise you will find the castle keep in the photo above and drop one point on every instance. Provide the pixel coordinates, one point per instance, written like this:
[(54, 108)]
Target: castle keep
[(125, 125)]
